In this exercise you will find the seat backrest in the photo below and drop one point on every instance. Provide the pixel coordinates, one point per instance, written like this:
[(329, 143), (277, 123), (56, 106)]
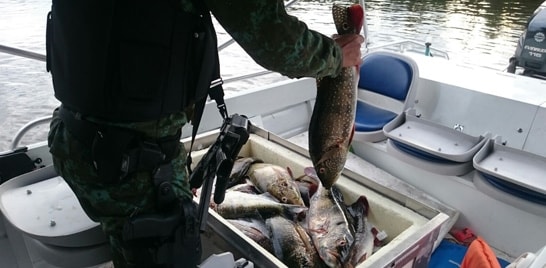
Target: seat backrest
[(389, 74)]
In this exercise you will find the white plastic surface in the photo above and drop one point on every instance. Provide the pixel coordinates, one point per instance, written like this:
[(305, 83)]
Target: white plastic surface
[(530, 260), (226, 260), (507, 163), (47, 208), (443, 142)]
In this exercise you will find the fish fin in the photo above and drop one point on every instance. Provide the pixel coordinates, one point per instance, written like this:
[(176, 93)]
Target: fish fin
[(295, 212), (360, 208), (312, 173), (352, 135), (330, 152), (289, 170)]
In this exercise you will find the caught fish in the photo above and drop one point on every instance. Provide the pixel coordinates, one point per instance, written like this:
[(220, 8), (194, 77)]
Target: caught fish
[(255, 229), (240, 205), (308, 185), (363, 244), (332, 123), (247, 187), (277, 181), (239, 171), (291, 243), (331, 232)]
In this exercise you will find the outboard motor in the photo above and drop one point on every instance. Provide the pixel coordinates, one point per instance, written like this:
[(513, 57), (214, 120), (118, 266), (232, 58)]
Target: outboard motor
[(531, 49)]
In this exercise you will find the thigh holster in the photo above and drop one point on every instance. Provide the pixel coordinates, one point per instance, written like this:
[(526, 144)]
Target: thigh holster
[(173, 237)]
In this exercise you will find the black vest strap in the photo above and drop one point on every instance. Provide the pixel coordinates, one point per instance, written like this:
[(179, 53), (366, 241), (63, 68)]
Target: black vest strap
[(209, 68)]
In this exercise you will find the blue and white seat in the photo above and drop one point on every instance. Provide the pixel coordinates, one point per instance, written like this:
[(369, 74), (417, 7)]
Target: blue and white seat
[(386, 90), (499, 175), (434, 147)]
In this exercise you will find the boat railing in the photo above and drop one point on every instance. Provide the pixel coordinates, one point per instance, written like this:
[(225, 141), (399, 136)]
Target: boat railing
[(22, 53), (26, 128), (45, 120), (39, 121), (400, 46), (405, 46)]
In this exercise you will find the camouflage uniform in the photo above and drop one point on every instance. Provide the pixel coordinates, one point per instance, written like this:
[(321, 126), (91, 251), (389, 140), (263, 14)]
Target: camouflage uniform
[(277, 41), (110, 204)]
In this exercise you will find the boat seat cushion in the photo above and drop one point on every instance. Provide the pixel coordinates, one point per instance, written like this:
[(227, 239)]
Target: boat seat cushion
[(515, 189), (386, 75), (370, 117), (420, 154)]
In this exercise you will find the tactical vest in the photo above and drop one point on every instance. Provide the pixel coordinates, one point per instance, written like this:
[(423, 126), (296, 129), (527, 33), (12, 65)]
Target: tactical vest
[(129, 60)]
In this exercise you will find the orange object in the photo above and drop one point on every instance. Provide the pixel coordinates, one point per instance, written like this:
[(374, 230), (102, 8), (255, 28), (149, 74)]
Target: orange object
[(480, 255)]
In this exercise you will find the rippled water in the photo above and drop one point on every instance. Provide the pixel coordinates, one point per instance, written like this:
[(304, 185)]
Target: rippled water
[(478, 32)]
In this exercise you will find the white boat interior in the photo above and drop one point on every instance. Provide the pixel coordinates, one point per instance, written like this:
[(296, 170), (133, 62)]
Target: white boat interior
[(460, 147), (471, 138)]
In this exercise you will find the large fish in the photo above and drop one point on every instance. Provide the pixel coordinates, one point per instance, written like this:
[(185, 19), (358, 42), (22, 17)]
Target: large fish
[(331, 232), (276, 181), (363, 244), (240, 205), (255, 229), (291, 243), (239, 171), (332, 123)]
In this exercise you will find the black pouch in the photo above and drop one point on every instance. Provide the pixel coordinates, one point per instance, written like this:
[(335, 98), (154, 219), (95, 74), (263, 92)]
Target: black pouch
[(109, 146), (172, 236), (15, 163)]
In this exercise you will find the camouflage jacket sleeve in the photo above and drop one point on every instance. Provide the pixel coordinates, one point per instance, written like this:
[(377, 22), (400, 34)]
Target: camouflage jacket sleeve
[(276, 40)]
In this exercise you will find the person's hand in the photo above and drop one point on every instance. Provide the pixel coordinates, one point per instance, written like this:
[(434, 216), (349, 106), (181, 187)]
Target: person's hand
[(350, 46)]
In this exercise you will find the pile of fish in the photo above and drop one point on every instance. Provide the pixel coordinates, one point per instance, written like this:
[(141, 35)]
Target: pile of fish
[(298, 220)]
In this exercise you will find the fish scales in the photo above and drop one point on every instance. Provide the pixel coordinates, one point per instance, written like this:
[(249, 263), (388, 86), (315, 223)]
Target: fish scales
[(329, 228), (363, 244), (291, 244), (255, 229), (332, 123), (239, 205), (277, 181)]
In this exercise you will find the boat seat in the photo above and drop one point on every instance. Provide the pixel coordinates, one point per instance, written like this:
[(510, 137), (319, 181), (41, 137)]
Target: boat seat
[(41, 205), (436, 148), (386, 89), (499, 175)]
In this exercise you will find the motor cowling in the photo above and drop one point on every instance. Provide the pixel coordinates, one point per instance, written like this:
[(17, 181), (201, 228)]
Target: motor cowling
[(531, 49)]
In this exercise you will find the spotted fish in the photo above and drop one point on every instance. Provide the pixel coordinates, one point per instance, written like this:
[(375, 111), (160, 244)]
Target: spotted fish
[(330, 230), (332, 123)]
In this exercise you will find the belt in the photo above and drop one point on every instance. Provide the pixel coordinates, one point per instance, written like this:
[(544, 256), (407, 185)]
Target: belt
[(137, 152), (83, 130)]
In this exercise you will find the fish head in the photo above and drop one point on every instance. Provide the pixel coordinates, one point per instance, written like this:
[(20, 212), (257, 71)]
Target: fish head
[(287, 192), (348, 20), (328, 170), (337, 256)]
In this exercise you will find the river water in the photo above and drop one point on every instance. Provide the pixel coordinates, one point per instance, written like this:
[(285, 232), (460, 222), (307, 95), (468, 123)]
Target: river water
[(477, 32)]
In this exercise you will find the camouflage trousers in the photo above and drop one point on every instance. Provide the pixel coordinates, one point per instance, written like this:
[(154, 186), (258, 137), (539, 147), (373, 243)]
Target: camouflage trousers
[(111, 204)]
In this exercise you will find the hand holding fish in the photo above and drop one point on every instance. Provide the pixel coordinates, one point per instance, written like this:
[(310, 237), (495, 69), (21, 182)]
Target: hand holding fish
[(350, 46), (332, 123)]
